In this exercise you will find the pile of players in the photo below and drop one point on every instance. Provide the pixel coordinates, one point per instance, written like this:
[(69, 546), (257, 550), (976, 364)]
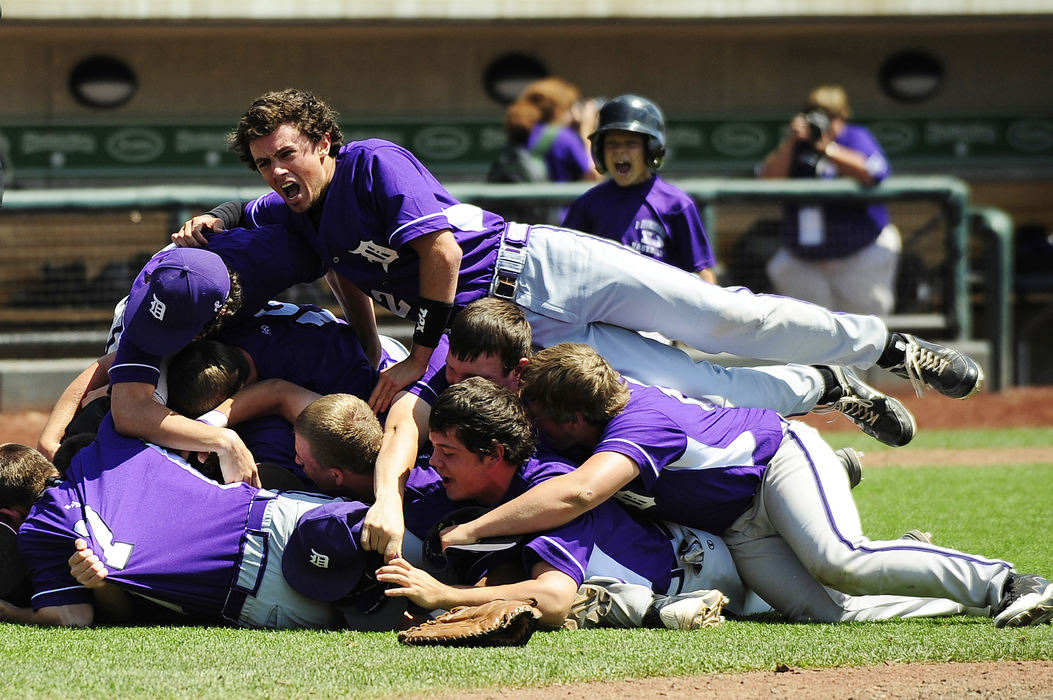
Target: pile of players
[(335, 452)]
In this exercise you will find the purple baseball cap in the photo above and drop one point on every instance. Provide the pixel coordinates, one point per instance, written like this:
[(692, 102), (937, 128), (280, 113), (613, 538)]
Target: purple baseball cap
[(324, 560), (173, 298)]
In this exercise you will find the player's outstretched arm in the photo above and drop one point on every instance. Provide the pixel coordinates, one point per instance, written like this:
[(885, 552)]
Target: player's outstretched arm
[(67, 405), (404, 430), (80, 615), (551, 590), (359, 313), (136, 414), (440, 264), (552, 503)]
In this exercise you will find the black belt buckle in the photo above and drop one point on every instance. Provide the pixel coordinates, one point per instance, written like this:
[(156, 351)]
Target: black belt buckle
[(505, 287)]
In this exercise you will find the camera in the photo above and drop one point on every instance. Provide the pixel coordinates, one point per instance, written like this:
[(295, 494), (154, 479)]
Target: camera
[(818, 124)]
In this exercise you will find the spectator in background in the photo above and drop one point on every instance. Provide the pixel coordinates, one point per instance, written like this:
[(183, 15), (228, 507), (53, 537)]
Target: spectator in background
[(841, 256), (555, 99), (635, 206)]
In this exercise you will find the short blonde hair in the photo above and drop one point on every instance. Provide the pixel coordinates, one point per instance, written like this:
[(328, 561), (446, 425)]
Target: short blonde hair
[(832, 99), (572, 378), (342, 432)]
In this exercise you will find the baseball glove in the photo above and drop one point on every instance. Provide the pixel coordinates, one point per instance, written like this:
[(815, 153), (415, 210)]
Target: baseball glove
[(499, 623)]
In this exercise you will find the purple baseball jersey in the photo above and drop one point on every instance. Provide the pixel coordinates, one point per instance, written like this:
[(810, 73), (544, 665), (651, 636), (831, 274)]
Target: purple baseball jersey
[(163, 530), (606, 541), (847, 228), (267, 261), (381, 198), (700, 465), (651, 217), (306, 345)]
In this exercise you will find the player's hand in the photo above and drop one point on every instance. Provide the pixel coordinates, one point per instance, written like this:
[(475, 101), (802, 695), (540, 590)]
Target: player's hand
[(192, 233), (458, 534), (397, 377), (383, 528), (236, 462), (86, 567), (407, 581)]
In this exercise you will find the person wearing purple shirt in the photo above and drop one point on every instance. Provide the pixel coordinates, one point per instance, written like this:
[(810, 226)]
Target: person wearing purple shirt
[(378, 217), (773, 490), (635, 206), (842, 256), (117, 498), (482, 446)]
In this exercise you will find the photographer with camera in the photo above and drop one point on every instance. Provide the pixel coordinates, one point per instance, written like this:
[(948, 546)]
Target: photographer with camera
[(841, 256)]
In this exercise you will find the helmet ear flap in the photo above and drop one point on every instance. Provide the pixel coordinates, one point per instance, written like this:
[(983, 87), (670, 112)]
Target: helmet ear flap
[(597, 152), (655, 153)]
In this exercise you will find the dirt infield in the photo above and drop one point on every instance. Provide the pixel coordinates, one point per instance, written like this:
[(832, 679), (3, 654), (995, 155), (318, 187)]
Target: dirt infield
[(1013, 408)]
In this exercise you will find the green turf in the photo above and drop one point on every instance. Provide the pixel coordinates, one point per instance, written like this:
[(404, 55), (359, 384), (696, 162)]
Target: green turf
[(1000, 512)]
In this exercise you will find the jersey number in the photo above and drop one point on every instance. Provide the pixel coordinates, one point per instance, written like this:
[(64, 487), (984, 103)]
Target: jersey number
[(114, 554)]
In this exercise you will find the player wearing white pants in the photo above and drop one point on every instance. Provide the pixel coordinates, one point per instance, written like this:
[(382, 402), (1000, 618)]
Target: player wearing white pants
[(776, 492), (575, 287), (802, 534)]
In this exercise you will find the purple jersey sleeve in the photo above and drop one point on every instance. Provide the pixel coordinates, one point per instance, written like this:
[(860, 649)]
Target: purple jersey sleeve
[(162, 529), (380, 199), (700, 465)]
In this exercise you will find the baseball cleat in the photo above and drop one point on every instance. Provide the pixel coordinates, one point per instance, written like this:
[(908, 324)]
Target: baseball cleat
[(917, 536), (850, 461), (936, 366), (591, 605), (1027, 599), (689, 611), (881, 417)]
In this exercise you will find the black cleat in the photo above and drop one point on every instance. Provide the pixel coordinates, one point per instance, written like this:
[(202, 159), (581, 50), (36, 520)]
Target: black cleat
[(850, 461), (881, 417), (936, 366), (1026, 600)]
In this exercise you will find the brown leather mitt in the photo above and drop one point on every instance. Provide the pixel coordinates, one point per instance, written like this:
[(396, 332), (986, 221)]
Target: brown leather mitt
[(499, 623)]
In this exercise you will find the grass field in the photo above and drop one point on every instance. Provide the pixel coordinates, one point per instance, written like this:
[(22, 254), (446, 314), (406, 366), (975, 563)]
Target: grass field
[(1002, 511)]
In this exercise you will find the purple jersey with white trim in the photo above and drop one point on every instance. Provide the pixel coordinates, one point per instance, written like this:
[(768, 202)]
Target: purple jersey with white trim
[(700, 465), (267, 261), (848, 227), (652, 217), (606, 541), (163, 530), (381, 198)]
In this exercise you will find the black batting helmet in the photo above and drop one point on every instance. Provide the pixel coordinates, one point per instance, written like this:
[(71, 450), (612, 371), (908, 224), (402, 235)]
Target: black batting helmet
[(636, 114)]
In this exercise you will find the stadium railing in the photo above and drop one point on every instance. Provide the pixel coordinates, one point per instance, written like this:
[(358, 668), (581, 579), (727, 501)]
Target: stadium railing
[(69, 251)]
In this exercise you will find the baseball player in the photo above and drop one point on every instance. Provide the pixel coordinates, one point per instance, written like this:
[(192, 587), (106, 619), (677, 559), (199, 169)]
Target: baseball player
[(483, 446), (491, 338), (376, 215), (773, 489), (115, 508), (635, 206), (300, 343)]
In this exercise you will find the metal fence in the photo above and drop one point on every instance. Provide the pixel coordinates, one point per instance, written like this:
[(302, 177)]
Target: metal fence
[(70, 254)]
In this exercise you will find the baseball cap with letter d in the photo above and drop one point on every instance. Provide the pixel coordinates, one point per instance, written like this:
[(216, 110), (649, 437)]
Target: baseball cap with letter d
[(173, 298)]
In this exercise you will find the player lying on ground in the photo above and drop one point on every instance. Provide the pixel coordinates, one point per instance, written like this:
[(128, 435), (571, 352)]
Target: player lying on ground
[(483, 446), (491, 338), (772, 488), (376, 215)]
